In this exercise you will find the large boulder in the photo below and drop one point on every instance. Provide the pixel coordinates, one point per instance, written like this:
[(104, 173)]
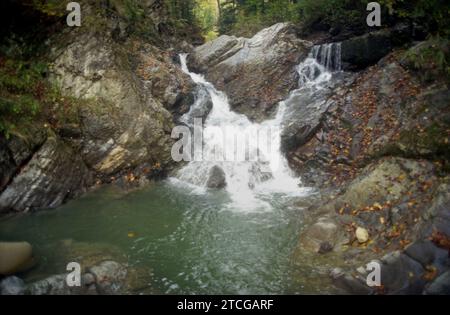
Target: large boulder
[(15, 257), (54, 174), (255, 73), (127, 126), (217, 178), (361, 51)]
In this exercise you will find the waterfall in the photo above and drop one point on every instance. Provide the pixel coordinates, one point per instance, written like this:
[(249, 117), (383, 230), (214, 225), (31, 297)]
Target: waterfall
[(249, 181), (328, 55)]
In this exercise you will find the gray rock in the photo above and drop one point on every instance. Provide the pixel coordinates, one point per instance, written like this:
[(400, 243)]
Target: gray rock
[(110, 277), (255, 73), (440, 286), (349, 283), (200, 109), (217, 178), (325, 247), (362, 51), (12, 286), (54, 174), (426, 253), (401, 274), (325, 230)]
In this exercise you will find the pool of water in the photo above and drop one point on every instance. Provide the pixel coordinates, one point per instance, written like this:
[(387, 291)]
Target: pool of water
[(191, 243)]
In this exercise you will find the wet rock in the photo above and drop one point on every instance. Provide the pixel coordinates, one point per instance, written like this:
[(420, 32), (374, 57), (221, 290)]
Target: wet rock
[(107, 278), (349, 283), (376, 183), (166, 81), (426, 253), (323, 231), (325, 247), (201, 107), (362, 51), (54, 174), (56, 285), (255, 73), (217, 178), (401, 274), (110, 277), (16, 151), (440, 286), (127, 125), (15, 257), (437, 215), (12, 286), (89, 254), (304, 119)]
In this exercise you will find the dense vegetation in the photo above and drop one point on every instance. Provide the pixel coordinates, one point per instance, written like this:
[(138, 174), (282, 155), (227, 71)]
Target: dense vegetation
[(26, 24), (244, 17)]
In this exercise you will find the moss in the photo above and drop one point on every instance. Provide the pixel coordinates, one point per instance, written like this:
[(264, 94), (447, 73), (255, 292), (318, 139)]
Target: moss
[(430, 59)]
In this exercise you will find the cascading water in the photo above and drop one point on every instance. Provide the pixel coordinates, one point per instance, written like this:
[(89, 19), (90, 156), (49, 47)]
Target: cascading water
[(250, 179), (328, 55)]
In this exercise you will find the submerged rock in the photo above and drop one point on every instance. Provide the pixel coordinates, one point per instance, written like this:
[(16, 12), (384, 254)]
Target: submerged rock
[(255, 73), (217, 178), (321, 236)]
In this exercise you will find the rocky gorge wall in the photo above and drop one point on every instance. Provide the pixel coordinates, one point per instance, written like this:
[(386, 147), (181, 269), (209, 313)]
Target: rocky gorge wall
[(128, 92), (375, 144)]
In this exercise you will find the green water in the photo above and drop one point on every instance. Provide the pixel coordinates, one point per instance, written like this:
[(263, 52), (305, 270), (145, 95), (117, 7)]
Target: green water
[(190, 243)]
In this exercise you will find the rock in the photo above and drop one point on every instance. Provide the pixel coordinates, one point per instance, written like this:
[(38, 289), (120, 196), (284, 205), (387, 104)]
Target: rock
[(217, 178), (12, 286), (401, 274), (128, 126), (304, 119), (17, 150), (89, 254), (426, 253), (440, 286), (200, 109), (255, 73), (325, 247), (317, 235), (15, 257), (54, 285), (375, 183), (54, 174), (110, 277), (107, 278), (362, 235), (349, 283), (362, 51)]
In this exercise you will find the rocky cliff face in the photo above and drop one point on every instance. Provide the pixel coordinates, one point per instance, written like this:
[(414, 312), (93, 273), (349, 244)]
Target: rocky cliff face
[(129, 93), (255, 73), (380, 152)]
